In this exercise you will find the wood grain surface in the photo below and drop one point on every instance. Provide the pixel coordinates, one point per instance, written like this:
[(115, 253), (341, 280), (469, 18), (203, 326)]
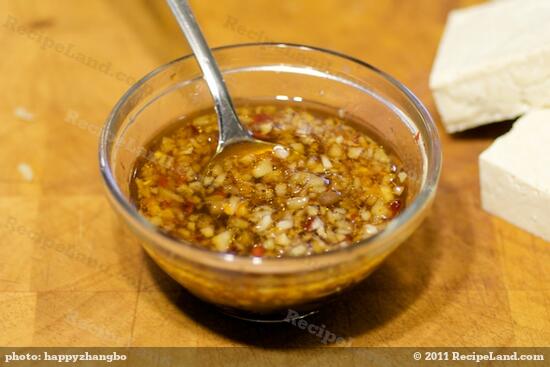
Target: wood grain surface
[(69, 278)]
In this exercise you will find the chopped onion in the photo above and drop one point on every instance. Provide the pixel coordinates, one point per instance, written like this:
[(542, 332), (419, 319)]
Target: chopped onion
[(398, 190), (312, 211), (365, 214), (282, 239), (296, 202), (263, 168), (316, 224), (354, 152), (280, 189), (326, 162), (207, 231), (370, 230), (230, 206), (264, 223), (266, 128), (222, 240), (280, 152), (298, 250), (285, 224), (335, 151)]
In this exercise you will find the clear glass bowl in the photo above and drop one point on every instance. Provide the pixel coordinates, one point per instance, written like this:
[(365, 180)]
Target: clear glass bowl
[(256, 288)]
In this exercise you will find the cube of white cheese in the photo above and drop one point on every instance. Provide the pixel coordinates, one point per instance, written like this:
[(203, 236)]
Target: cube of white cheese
[(493, 63), (515, 174)]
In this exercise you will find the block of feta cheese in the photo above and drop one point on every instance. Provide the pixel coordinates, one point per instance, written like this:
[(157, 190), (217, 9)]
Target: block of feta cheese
[(515, 174), (493, 63)]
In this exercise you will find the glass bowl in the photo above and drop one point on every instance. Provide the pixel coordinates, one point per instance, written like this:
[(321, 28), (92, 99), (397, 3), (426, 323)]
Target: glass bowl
[(266, 289)]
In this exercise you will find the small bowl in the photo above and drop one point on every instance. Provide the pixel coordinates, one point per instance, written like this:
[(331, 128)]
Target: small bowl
[(272, 289)]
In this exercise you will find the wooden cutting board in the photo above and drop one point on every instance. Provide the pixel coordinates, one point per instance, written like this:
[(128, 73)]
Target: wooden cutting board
[(67, 275)]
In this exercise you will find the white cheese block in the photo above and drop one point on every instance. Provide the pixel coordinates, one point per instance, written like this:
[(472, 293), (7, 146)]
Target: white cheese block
[(493, 63), (515, 174)]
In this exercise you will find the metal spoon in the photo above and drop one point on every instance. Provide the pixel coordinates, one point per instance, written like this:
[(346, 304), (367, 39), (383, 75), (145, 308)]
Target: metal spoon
[(233, 136)]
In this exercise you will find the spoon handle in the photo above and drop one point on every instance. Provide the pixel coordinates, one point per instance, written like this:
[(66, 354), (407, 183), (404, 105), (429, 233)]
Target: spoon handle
[(231, 129)]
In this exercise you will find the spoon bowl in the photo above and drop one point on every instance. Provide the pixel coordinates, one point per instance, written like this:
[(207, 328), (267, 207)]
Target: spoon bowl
[(239, 149)]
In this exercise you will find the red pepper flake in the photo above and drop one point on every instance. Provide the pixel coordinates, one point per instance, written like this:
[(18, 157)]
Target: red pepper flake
[(261, 117), (395, 206), (417, 136), (257, 250), (219, 191), (181, 180), (162, 181), (307, 224), (188, 207)]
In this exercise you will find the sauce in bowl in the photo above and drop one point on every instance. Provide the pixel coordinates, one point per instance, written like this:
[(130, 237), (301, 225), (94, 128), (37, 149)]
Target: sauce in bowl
[(327, 184)]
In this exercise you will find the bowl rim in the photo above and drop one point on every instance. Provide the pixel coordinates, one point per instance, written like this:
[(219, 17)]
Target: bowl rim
[(183, 248)]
